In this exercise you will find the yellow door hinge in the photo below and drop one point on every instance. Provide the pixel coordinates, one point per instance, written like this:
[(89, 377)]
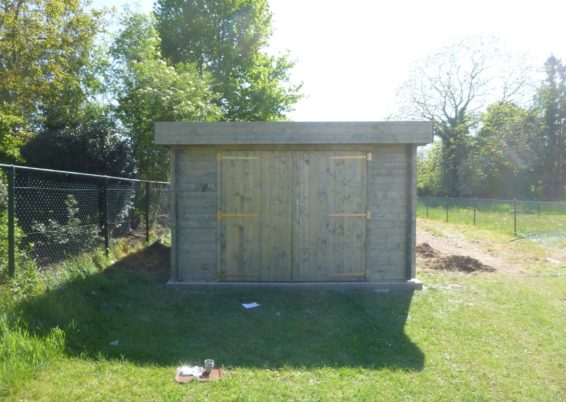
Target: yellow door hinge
[(368, 156), (220, 215)]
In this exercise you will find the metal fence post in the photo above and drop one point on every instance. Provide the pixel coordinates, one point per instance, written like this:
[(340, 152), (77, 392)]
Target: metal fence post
[(147, 204), (515, 217), (106, 223), (11, 221), (475, 208), (446, 207), (426, 204)]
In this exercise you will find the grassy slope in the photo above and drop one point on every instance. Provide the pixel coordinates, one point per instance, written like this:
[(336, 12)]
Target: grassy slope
[(497, 336)]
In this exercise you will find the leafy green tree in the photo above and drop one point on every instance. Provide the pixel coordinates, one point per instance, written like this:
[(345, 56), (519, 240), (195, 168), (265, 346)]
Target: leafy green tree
[(228, 38), (451, 87), (149, 89), (10, 139), (551, 142), (47, 50), (502, 154), (428, 169), (97, 138)]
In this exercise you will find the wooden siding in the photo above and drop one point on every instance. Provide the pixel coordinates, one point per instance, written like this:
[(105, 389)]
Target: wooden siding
[(256, 210), (328, 246), (195, 194), (288, 215), (388, 201), (248, 133), (198, 176)]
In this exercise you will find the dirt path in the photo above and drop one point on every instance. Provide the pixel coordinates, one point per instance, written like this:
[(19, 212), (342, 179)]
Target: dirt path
[(454, 251)]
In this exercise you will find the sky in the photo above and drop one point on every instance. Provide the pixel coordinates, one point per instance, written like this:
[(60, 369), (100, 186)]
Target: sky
[(352, 56)]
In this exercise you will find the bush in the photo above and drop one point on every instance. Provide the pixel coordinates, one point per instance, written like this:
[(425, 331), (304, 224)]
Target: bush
[(68, 236)]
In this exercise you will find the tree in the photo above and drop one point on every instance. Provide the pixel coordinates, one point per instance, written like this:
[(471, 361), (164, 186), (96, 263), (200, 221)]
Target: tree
[(502, 154), (551, 144), (97, 138), (47, 50), (10, 141), (228, 38), (428, 164), (450, 88), (149, 89)]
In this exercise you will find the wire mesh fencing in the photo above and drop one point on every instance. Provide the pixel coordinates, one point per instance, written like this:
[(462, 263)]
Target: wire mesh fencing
[(48, 215), (530, 219)]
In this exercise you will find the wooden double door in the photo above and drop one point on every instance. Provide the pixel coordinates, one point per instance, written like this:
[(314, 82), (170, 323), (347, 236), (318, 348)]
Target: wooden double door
[(292, 215)]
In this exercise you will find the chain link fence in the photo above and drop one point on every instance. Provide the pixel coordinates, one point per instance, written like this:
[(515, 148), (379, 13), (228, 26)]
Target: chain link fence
[(529, 219), (48, 215)]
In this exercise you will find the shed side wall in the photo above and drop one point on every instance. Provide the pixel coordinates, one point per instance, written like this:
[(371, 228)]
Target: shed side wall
[(196, 190), (388, 200)]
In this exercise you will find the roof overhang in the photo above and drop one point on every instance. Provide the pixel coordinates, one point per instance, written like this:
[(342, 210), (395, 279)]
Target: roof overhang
[(279, 133)]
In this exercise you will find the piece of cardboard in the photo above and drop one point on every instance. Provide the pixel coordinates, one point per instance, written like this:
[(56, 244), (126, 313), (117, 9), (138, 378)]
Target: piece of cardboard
[(214, 375)]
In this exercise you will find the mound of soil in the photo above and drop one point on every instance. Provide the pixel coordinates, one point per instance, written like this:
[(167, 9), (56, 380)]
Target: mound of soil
[(462, 263), (433, 259), (425, 250), (153, 259)]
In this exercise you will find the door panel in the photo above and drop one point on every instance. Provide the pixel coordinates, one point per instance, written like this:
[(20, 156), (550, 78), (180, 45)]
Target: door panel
[(256, 208), (292, 215), (330, 216)]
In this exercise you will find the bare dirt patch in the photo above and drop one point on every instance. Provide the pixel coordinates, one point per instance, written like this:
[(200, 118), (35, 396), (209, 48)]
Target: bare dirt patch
[(448, 244), (434, 259)]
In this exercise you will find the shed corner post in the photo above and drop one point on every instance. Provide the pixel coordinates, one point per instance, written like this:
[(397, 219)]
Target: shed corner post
[(412, 211), (173, 213)]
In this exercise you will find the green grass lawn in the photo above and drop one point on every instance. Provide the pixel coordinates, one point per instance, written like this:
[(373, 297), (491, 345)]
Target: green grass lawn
[(499, 216), (465, 337)]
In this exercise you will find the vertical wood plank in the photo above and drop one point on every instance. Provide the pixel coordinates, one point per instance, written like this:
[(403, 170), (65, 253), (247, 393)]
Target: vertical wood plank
[(245, 225), (340, 207), (266, 210), (323, 248), (313, 206), (304, 214), (282, 204), (349, 222), (333, 223), (362, 244)]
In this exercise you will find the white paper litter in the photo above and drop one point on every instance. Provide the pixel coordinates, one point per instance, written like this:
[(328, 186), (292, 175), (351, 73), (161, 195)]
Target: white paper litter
[(250, 305), (195, 371), (552, 260)]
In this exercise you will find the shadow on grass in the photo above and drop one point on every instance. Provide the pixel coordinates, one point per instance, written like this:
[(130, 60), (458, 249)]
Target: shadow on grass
[(167, 326)]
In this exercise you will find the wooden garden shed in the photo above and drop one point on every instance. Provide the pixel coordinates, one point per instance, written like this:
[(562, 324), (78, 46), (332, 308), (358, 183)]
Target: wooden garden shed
[(281, 203)]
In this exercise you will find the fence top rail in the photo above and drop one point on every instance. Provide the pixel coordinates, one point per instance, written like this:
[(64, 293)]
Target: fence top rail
[(2, 165), (491, 200)]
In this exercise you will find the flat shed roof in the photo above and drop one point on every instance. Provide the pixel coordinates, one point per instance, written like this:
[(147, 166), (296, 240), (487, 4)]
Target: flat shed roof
[(279, 133)]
